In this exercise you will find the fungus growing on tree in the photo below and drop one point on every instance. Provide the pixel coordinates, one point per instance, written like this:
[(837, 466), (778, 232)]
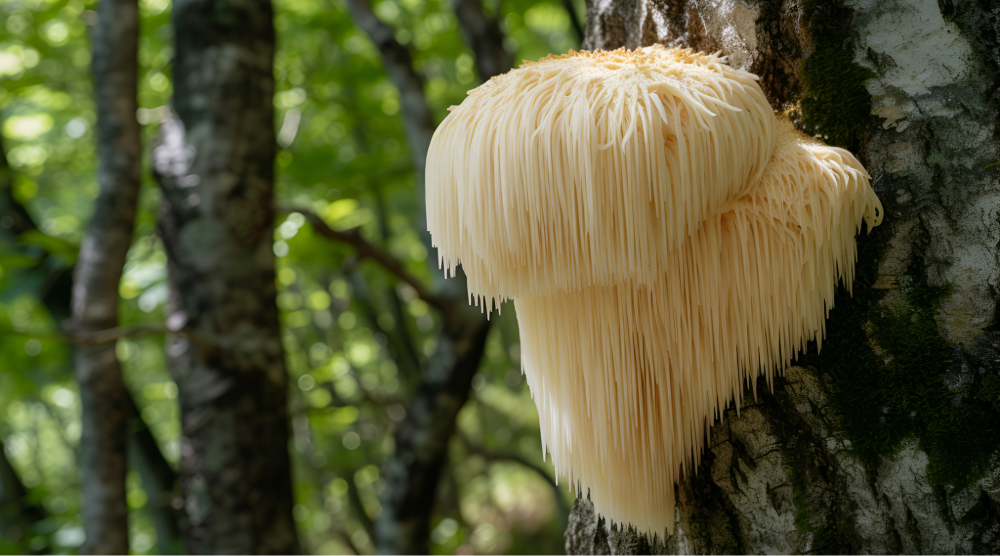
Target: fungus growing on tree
[(665, 239)]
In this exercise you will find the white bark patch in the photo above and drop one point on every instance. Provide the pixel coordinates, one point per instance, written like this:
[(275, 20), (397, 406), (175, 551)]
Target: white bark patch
[(938, 135), (733, 24), (599, 10), (925, 50), (761, 491), (904, 482)]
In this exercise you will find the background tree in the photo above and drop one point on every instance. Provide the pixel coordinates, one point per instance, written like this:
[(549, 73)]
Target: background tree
[(44, 265), (421, 439), (360, 328), (99, 268), (887, 440), (215, 166), (357, 335)]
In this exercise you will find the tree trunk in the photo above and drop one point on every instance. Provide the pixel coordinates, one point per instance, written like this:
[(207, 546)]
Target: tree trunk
[(158, 477), (215, 166), (886, 440), (103, 397)]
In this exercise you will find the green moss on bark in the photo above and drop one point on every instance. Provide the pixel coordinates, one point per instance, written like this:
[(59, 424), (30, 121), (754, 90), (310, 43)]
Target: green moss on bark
[(897, 378), (835, 539), (835, 104)]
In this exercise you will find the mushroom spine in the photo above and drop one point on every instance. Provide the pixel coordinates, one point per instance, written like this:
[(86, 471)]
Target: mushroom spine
[(665, 238)]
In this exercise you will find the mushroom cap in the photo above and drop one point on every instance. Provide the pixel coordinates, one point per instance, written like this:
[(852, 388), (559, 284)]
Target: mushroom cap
[(627, 378), (588, 169)]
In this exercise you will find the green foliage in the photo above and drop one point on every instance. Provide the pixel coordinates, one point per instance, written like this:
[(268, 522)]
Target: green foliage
[(897, 378), (352, 334)]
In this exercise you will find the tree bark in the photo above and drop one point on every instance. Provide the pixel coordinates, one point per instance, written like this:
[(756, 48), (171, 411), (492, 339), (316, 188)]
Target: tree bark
[(104, 439), (57, 288), (413, 472), (215, 166), (887, 439)]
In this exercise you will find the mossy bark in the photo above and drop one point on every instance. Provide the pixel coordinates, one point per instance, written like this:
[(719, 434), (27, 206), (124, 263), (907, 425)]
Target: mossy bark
[(887, 439), (214, 163), (103, 397)]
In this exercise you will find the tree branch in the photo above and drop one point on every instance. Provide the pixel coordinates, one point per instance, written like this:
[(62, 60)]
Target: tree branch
[(405, 338), (55, 294), (354, 495), (413, 472), (478, 449), (106, 336), (418, 121), (399, 343), (368, 250)]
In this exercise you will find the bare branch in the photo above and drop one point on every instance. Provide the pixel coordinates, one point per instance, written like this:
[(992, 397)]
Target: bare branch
[(368, 250), (489, 456), (399, 342), (55, 293), (354, 495), (413, 472), (104, 438), (107, 335)]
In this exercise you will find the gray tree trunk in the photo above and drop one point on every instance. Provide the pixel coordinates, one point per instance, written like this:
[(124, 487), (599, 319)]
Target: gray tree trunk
[(158, 477), (215, 167), (886, 440), (104, 439)]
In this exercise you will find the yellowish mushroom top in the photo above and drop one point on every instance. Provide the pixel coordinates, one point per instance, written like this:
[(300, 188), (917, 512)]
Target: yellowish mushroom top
[(589, 168), (666, 239)]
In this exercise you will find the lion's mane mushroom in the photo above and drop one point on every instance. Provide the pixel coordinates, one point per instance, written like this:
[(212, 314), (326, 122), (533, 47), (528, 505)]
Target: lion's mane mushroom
[(665, 238)]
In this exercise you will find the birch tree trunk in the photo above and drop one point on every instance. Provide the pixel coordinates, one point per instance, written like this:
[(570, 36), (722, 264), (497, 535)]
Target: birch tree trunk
[(104, 439), (215, 166), (886, 440)]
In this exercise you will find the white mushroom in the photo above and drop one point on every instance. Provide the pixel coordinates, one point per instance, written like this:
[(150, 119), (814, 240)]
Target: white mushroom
[(665, 238)]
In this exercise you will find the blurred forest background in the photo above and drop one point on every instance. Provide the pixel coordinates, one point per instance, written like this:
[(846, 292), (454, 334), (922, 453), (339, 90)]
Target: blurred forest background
[(357, 339)]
